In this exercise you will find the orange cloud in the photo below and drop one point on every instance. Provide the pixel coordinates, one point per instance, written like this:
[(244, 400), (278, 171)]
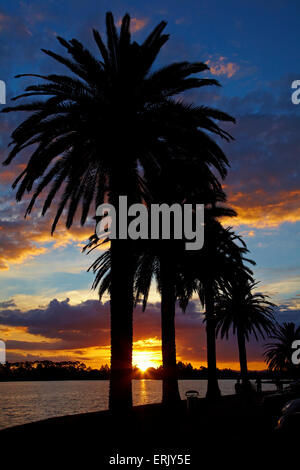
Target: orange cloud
[(248, 233), (221, 67), (25, 239), (261, 209), (8, 176), (136, 24)]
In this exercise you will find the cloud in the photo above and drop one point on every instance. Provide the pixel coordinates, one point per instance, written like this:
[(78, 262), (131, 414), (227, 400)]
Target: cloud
[(263, 181), (83, 331), (22, 239), (4, 21), (291, 304), (289, 311), (10, 23), (247, 233), (180, 20), (263, 178), (8, 175), (261, 209), (87, 325), (136, 24), (71, 326), (221, 66), (7, 304)]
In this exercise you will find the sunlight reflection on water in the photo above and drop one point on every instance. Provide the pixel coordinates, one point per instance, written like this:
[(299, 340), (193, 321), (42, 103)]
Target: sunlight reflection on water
[(23, 402)]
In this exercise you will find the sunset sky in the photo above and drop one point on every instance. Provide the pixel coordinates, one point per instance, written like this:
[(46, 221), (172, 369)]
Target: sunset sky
[(47, 309)]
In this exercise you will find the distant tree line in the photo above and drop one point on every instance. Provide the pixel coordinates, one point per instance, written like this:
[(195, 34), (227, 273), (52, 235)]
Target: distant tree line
[(188, 372), (49, 370), (76, 370)]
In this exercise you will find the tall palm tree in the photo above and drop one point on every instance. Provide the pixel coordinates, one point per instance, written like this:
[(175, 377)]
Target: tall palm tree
[(183, 178), (209, 271), (97, 128), (278, 354), (215, 255), (245, 313)]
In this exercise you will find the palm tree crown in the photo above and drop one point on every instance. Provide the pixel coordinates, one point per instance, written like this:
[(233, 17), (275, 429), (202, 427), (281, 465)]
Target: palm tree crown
[(107, 118), (240, 307), (278, 354)]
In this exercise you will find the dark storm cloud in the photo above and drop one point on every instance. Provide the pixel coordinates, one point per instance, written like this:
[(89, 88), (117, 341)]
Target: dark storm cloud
[(75, 327), (85, 324), (7, 304)]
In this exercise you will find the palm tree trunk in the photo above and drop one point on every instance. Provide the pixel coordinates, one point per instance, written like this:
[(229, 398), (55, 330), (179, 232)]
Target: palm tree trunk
[(213, 390), (121, 311), (170, 395), (243, 358), (121, 294)]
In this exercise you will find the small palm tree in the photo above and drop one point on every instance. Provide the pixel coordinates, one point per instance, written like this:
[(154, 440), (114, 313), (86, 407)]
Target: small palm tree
[(278, 354), (93, 131), (245, 313)]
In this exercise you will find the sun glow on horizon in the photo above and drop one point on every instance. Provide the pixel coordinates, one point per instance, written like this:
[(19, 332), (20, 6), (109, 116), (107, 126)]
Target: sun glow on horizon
[(144, 360), (147, 353)]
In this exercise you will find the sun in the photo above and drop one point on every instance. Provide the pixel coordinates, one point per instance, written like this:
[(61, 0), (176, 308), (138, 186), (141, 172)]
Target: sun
[(143, 360), (147, 353)]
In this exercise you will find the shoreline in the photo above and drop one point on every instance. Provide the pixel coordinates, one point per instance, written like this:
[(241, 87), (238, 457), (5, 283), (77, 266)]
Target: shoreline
[(230, 422), (137, 378)]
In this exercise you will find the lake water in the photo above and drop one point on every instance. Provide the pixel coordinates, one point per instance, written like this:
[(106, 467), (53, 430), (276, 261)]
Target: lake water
[(23, 402)]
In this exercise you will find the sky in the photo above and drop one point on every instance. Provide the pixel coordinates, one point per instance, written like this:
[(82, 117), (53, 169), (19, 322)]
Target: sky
[(47, 307)]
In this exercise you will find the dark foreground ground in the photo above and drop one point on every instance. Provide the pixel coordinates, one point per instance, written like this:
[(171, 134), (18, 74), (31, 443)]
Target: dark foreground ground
[(232, 433)]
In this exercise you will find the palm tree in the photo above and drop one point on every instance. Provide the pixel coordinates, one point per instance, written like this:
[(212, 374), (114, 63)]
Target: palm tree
[(98, 127), (165, 261), (186, 273), (209, 271), (245, 313), (100, 124), (209, 278), (278, 354), (185, 178), (156, 263)]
